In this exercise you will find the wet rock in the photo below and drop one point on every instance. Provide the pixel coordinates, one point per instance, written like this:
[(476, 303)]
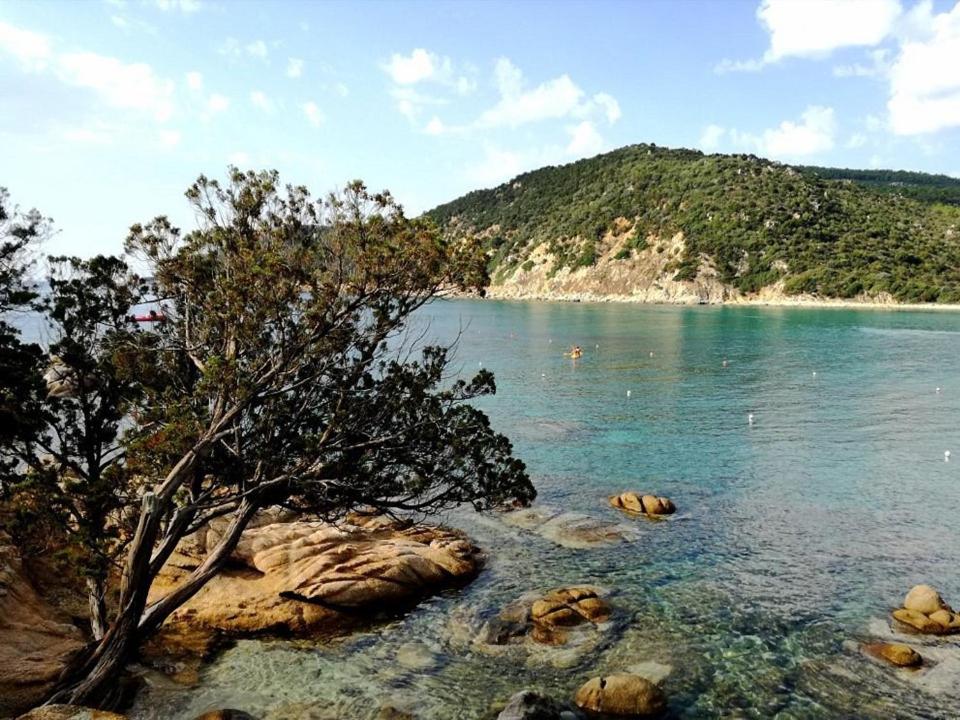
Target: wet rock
[(894, 653), (924, 611), (621, 696), (295, 578), (528, 705), (36, 640), (643, 504), (570, 529), (547, 619), (69, 712)]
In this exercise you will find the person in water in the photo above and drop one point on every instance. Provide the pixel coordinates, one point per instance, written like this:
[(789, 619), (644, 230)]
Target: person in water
[(576, 352)]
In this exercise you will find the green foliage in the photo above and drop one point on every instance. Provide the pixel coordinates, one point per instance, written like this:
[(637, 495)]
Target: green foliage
[(832, 237), (917, 185)]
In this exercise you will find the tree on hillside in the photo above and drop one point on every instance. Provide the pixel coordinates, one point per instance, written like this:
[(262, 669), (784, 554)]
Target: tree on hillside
[(283, 375)]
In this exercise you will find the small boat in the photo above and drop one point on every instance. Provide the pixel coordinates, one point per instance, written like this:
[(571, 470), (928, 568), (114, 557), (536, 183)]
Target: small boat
[(153, 316)]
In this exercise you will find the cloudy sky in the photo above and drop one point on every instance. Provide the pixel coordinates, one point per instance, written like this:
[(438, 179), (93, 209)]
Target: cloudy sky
[(109, 108)]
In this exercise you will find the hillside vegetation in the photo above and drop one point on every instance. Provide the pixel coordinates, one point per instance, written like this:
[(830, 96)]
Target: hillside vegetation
[(917, 185), (749, 222)]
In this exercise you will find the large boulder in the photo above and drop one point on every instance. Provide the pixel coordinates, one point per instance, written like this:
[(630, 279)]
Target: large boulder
[(304, 577), (643, 504), (547, 619), (895, 654), (924, 611), (528, 705), (625, 695), (36, 640)]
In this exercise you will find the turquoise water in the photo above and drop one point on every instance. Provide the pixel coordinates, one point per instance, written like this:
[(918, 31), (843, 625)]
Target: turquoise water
[(795, 535)]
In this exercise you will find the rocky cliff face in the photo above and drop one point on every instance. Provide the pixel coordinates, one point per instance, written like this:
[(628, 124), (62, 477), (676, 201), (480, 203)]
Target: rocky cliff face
[(645, 276)]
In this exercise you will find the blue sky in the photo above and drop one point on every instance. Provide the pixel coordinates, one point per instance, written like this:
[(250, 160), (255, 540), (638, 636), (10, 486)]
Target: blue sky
[(108, 109)]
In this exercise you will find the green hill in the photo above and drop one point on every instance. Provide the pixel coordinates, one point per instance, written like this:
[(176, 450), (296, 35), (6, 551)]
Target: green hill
[(679, 216)]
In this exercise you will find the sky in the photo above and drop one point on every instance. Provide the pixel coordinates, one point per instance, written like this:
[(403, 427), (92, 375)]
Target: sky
[(110, 108)]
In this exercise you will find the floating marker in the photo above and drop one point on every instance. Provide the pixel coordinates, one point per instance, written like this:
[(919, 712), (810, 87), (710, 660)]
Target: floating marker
[(480, 364), (628, 393), (543, 374), (724, 362), (598, 346), (651, 353), (938, 391), (946, 456), (750, 418), (814, 373)]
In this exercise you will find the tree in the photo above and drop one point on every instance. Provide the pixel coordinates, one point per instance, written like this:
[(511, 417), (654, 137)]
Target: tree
[(284, 373), (69, 487)]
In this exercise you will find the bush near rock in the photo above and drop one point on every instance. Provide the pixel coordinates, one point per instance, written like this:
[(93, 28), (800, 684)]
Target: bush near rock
[(924, 611), (895, 654), (624, 695), (643, 504)]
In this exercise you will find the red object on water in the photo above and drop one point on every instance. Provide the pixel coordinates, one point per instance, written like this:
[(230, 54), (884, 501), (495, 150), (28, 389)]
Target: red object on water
[(152, 317)]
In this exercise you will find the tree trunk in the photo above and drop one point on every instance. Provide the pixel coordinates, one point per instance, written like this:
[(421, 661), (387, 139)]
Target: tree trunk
[(98, 607)]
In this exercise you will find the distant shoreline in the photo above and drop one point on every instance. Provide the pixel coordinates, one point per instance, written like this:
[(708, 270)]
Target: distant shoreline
[(802, 302)]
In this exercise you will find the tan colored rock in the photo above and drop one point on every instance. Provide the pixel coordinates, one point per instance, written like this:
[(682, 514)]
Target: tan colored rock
[(548, 619), (69, 712), (621, 696), (643, 504), (570, 529), (302, 577), (36, 641), (895, 654), (925, 611), (924, 599)]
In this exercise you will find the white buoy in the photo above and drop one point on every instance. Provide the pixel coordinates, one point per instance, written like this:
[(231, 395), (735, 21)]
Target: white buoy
[(598, 346), (651, 353), (543, 374), (946, 456), (480, 364), (724, 362), (628, 392), (750, 418), (938, 391), (814, 373), (550, 341)]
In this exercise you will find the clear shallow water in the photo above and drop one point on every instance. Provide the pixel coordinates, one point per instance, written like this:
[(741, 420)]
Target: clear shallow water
[(797, 534)]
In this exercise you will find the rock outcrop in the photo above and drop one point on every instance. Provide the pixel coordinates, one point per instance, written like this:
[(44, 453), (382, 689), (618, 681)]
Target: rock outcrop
[(627, 696), (549, 618), (895, 654), (309, 577), (36, 641), (643, 504), (69, 712), (924, 611)]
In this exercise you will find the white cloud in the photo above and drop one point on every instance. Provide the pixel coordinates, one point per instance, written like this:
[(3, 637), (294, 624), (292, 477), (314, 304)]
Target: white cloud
[(857, 140), (217, 103), (422, 67), (435, 126), (294, 67), (924, 78), (814, 133), (341, 89), (195, 81), (711, 136), (805, 28), (257, 49), (169, 138), (31, 50), (419, 66), (184, 6), (261, 101), (313, 113), (121, 85), (553, 99), (879, 65), (585, 140), (815, 28), (239, 159)]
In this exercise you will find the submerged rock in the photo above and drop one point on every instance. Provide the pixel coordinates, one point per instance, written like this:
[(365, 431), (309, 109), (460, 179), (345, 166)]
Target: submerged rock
[(570, 529), (304, 577), (226, 714), (924, 611), (621, 696), (36, 640), (894, 653), (643, 504), (528, 705)]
